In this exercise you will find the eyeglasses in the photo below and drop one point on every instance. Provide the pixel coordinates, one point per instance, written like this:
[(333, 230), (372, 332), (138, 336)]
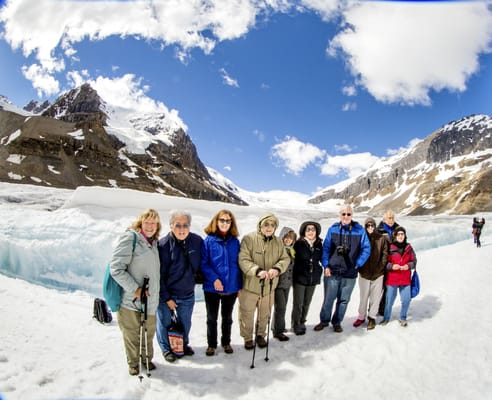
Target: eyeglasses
[(370, 226), (310, 229), (268, 225), (183, 226), (400, 234), (225, 221), (346, 214)]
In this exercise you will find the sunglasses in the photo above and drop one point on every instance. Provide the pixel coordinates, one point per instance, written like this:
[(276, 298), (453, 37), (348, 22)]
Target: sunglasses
[(268, 225), (370, 226), (310, 229), (225, 221), (179, 226), (346, 214)]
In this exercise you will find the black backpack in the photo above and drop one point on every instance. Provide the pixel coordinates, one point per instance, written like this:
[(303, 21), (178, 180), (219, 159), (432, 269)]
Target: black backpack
[(101, 311)]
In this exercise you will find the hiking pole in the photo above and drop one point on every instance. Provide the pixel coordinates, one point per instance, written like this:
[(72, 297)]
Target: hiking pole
[(269, 317), (143, 327), (262, 286)]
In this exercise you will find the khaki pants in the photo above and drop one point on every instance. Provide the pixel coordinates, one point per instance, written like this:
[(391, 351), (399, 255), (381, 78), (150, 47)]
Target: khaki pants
[(129, 322), (249, 303)]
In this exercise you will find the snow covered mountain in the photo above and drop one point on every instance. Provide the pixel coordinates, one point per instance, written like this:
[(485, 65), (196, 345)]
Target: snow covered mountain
[(79, 140), (448, 172)]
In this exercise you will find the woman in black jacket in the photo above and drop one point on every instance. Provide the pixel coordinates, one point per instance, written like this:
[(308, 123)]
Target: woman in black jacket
[(307, 272)]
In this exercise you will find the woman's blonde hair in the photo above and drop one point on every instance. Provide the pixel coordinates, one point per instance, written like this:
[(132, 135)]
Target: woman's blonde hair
[(213, 226), (148, 214)]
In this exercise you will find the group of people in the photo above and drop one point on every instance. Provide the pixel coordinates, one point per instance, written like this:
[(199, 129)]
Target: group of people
[(258, 271)]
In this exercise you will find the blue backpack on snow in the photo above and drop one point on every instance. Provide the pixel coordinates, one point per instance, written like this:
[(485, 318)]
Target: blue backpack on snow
[(112, 291)]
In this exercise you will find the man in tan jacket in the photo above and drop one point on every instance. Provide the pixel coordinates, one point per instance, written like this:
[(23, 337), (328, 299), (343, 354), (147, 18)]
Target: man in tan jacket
[(262, 258)]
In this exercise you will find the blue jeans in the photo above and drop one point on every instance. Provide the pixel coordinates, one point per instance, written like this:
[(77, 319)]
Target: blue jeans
[(184, 310), (335, 287), (390, 299)]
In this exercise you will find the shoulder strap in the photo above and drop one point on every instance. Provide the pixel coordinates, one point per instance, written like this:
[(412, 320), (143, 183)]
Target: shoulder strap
[(134, 240)]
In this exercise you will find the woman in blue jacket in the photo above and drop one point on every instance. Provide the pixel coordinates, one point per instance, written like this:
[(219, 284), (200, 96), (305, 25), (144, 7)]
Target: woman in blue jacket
[(223, 278)]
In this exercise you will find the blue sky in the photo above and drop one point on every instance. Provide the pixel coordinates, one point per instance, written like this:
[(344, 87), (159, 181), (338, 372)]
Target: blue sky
[(276, 95)]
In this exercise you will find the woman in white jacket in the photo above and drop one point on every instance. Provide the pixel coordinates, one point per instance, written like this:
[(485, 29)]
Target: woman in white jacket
[(136, 257)]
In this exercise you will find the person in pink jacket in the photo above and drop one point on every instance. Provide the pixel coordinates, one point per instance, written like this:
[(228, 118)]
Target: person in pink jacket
[(401, 262)]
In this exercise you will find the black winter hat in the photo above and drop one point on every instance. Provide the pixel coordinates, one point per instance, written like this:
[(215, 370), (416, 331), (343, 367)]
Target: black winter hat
[(399, 229), (302, 229)]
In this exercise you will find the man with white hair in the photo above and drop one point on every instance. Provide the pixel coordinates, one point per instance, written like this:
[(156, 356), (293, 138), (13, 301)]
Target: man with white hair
[(345, 249)]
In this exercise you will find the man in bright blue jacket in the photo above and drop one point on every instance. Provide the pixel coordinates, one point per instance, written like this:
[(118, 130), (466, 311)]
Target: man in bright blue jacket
[(345, 249)]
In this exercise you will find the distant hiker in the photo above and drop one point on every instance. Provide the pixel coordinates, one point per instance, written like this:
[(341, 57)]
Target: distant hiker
[(386, 228), (262, 258), (223, 278), (345, 249), (180, 257), (477, 227), (288, 237), (401, 262), (307, 272), (371, 276), (129, 265)]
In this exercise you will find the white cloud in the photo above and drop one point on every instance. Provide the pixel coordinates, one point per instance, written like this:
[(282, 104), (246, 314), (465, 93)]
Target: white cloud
[(127, 92), (179, 23), (228, 168), (349, 90), (259, 135), (226, 78), (351, 164), (295, 155), (77, 78), (411, 144), (327, 9), (343, 147), (350, 106), (401, 51), (41, 79)]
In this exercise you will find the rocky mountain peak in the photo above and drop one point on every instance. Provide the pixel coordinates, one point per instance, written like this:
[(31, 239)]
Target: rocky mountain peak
[(74, 143), (450, 171), (35, 107), (80, 104)]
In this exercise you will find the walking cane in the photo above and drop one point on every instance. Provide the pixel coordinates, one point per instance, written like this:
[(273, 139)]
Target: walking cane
[(143, 329), (262, 286), (269, 318)]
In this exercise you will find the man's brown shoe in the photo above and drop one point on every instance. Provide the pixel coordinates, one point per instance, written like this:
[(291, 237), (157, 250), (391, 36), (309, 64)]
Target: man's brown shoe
[(319, 327), (371, 324)]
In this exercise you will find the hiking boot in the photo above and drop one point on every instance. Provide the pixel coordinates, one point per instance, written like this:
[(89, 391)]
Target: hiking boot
[(337, 328), (210, 351), (319, 327), (300, 332), (281, 337), (371, 324), (384, 322), (228, 349), (189, 351), (358, 322), (249, 345), (133, 370), (261, 342), (169, 356), (151, 366), (403, 323)]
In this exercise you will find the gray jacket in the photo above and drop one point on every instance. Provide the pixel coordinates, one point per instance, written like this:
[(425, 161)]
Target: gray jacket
[(129, 268)]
